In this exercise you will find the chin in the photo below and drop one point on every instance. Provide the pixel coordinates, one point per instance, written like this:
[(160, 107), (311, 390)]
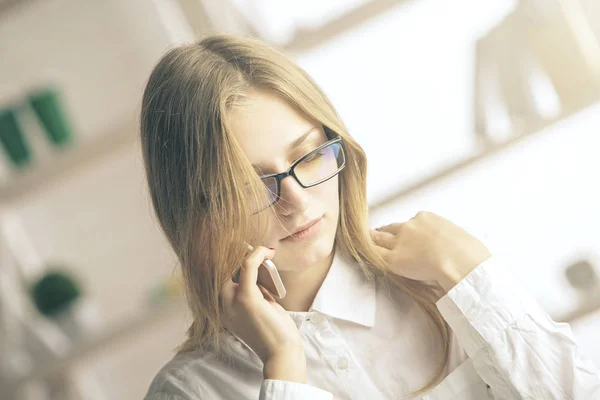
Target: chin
[(300, 255)]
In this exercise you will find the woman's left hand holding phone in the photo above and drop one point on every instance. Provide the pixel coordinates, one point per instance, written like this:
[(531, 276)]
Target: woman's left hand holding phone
[(251, 313)]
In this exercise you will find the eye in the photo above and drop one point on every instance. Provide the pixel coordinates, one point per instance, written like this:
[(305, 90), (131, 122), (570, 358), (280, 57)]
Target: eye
[(315, 156)]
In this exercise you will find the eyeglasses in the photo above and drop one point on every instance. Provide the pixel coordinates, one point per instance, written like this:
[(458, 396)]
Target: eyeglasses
[(316, 167)]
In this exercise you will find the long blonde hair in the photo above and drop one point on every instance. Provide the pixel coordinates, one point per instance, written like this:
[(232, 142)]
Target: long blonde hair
[(195, 169)]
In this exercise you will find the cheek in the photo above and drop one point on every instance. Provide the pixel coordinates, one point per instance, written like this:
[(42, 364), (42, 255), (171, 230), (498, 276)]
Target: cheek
[(324, 198), (330, 197)]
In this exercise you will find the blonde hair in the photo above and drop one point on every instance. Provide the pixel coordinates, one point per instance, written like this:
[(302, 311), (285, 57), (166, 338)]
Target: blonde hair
[(195, 167)]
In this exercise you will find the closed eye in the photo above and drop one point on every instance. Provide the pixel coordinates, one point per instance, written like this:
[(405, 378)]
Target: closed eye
[(315, 156)]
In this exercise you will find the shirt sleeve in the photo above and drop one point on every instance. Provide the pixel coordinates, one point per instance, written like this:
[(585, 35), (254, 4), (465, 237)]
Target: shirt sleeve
[(272, 389), (517, 349)]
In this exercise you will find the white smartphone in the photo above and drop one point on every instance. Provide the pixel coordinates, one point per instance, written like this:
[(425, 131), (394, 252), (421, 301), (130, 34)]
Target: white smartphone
[(268, 277)]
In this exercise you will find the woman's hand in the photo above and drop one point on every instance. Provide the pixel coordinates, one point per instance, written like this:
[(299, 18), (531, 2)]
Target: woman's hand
[(251, 312), (429, 247)]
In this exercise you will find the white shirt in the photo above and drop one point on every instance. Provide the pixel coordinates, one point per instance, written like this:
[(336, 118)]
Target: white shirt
[(365, 343)]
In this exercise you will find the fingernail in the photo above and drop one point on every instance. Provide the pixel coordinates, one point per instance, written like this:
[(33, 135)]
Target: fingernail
[(270, 248)]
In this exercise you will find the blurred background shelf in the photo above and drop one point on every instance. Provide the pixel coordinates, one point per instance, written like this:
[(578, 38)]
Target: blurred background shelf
[(143, 322), (66, 161), (488, 150)]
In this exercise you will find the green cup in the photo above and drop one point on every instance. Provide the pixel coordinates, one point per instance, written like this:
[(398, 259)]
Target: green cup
[(48, 107), (12, 138)]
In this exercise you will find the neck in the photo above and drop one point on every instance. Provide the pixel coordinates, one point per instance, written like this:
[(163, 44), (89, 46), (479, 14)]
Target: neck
[(302, 286)]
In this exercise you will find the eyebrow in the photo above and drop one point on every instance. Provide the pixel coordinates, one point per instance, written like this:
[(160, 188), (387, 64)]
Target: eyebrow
[(297, 142)]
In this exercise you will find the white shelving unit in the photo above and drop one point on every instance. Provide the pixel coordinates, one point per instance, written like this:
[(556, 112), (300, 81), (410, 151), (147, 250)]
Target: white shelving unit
[(72, 159), (101, 82)]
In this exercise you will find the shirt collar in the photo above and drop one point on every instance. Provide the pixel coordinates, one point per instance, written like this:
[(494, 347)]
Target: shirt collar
[(346, 293)]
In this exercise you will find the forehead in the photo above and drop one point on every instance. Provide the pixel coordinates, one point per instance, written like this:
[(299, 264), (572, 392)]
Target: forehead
[(265, 125)]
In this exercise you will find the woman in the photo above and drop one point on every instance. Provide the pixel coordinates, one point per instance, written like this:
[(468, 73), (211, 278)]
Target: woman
[(412, 309)]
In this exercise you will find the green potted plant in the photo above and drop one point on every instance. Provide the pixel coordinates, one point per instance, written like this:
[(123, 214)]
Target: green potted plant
[(56, 295)]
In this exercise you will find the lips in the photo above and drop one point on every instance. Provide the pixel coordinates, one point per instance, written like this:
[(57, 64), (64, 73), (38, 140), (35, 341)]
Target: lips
[(305, 226)]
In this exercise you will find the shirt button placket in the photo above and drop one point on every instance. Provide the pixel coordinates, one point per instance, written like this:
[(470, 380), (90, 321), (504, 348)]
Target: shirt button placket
[(343, 363), (317, 319)]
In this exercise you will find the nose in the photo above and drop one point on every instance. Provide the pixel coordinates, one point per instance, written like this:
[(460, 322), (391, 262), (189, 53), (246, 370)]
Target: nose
[(294, 197)]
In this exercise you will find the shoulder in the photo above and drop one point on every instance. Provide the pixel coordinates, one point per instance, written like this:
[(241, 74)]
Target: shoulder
[(183, 377), (199, 375)]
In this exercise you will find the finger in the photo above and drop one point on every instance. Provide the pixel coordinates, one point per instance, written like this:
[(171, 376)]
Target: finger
[(383, 239), (385, 253), (249, 270), (391, 228), (268, 296)]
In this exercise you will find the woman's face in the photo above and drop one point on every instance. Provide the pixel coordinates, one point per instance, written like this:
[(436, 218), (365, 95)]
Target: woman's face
[(273, 135)]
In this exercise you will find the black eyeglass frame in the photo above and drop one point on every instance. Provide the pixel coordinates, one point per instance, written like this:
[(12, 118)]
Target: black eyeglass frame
[(291, 170)]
